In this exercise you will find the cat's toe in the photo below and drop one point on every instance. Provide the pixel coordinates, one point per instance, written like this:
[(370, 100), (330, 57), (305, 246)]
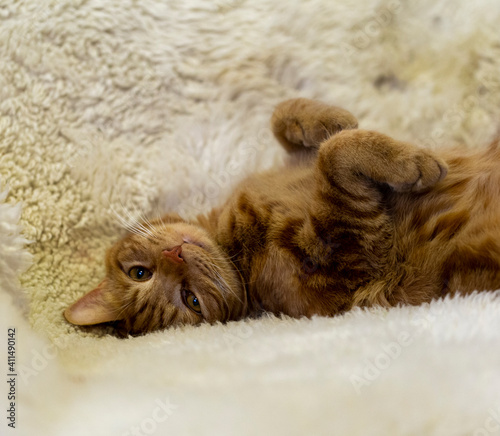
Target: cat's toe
[(421, 172), (303, 123), (431, 169)]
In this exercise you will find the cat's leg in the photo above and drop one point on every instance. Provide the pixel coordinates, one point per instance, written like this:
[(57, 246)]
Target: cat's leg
[(358, 161), (348, 204), (351, 229), (301, 124)]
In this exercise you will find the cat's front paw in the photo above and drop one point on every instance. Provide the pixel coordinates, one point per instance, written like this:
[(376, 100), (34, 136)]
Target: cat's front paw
[(302, 123), (352, 156), (416, 170)]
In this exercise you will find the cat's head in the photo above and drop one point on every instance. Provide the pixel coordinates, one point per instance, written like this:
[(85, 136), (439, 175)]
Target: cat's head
[(170, 273)]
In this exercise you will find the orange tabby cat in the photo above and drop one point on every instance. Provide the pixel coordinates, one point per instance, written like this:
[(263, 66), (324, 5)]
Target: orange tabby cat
[(356, 219)]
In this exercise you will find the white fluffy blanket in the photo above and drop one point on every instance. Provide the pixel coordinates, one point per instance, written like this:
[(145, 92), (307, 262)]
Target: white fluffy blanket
[(128, 107)]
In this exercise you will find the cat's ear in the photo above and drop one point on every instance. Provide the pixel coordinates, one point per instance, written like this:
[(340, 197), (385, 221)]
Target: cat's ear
[(93, 308)]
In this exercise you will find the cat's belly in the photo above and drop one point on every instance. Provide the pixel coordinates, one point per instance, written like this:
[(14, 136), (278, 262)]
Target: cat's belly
[(286, 268), (440, 241), (291, 265), (273, 284), (452, 234), (282, 284)]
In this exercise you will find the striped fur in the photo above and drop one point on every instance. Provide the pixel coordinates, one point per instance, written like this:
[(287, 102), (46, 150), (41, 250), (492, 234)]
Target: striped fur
[(356, 219)]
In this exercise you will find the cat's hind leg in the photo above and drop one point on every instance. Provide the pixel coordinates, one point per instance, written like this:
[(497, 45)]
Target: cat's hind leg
[(301, 124)]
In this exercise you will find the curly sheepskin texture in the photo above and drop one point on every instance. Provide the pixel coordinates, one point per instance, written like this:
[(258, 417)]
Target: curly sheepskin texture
[(109, 110), (14, 257)]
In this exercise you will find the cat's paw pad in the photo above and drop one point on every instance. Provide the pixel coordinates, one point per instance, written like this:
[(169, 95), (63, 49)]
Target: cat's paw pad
[(307, 123), (418, 172)]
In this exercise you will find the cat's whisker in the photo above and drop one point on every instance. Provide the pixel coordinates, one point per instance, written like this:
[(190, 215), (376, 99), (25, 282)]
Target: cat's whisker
[(128, 221), (142, 221), (161, 223), (132, 229), (122, 221), (224, 282), (125, 307), (227, 270), (220, 286), (138, 232), (223, 257), (147, 222), (136, 225)]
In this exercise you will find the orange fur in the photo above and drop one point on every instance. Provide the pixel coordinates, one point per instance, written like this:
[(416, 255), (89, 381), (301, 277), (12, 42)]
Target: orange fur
[(357, 218)]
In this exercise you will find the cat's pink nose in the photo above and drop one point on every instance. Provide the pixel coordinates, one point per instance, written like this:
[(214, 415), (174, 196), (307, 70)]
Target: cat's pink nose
[(174, 254)]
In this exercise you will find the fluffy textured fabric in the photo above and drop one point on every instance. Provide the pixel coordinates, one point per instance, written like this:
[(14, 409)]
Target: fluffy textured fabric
[(113, 109), (14, 259)]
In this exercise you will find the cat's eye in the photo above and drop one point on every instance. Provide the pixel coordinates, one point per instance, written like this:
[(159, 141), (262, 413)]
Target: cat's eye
[(139, 273), (191, 301)]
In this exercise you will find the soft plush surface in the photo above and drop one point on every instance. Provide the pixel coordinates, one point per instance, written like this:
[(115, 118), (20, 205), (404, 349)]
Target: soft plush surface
[(117, 108)]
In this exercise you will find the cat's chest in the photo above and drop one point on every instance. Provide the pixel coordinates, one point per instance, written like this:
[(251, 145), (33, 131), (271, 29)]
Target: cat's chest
[(280, 273), (262, 214), (262, 211)]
